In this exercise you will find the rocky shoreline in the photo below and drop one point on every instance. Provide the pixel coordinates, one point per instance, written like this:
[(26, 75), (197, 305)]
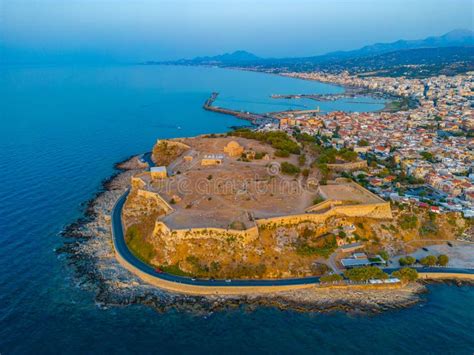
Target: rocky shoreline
[(89, 250)]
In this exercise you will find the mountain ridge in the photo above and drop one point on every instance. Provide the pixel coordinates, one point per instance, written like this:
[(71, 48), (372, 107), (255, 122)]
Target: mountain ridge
[(454, 38)]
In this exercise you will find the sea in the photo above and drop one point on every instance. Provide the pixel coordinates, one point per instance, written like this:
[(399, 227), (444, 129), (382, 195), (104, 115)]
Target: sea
[(62, 128)]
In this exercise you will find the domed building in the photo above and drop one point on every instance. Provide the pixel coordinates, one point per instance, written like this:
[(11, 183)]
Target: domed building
[(233, 149)]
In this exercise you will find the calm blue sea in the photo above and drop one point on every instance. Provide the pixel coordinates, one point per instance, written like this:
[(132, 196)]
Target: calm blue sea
[(61, 131)]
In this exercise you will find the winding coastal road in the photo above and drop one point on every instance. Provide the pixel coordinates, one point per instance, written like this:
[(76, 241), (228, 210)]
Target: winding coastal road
[(124, 252), (122, 248)]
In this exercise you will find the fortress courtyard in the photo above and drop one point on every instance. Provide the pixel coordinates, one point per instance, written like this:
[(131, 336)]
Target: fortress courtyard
[(229, 182)]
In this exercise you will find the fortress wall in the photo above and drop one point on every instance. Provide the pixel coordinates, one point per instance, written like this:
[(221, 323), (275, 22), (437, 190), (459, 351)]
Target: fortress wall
[(137, 182), (158, 199), (348, 166), (366, 192), (323, 205), (161, 228), (244, 236), (297, 218), (377, 211), (174, 143)]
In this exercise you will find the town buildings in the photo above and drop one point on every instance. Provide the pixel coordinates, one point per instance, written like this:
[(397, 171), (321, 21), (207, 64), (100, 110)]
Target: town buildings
[(433, 143)]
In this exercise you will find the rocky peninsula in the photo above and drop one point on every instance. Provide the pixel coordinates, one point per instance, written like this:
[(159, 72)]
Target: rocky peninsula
[(88, 247)]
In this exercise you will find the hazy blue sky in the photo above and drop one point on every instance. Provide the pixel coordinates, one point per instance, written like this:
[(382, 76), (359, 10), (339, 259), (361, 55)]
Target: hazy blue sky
[(137, 30)]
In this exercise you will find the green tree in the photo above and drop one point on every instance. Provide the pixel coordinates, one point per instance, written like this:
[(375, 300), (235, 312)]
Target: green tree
[(302, 159), (324, 169), (406, 274), (288, 168), (407, 260), (427, 156), (408, 221), (384, 255), (429, 260), (443, 260), (282, 153), (348, 155), (365, 273), (363, 143)]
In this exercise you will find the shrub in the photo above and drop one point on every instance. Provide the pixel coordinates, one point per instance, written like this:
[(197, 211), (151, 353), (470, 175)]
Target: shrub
[(323, 168), (304, 137), (427, 156), (384, 255), (174, 270), (318, 199), (138, 245), (320, 268), (406, 274), (428, 228), (282, 153), (327, 247), (429, 260), (443, 260), (302, 160), (277, 139), (365, 273), (331, 278), (288, 168), (407, 260), (408, 221), (348, 155), (327, 156)]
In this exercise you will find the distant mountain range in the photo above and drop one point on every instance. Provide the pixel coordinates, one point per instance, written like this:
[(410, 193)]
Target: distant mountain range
[(456, 38), (450, 53), (237, 56)]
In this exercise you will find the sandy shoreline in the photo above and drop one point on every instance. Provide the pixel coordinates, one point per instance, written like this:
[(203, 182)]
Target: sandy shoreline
[(89, 250)]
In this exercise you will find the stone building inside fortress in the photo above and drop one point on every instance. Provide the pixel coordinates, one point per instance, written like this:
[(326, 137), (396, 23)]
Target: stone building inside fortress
[(233, 149)]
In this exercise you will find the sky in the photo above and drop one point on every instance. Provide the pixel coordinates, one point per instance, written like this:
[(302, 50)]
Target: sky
[(138, 30)]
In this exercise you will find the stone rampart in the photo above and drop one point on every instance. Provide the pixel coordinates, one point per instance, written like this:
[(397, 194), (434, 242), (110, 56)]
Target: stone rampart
[(377, 211), (316, 214), (346, 167), (157, 198), (243, 236), (137, 182)]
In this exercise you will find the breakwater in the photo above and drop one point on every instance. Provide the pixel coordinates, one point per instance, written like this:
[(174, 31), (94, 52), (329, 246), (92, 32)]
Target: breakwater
[(254, 118)]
